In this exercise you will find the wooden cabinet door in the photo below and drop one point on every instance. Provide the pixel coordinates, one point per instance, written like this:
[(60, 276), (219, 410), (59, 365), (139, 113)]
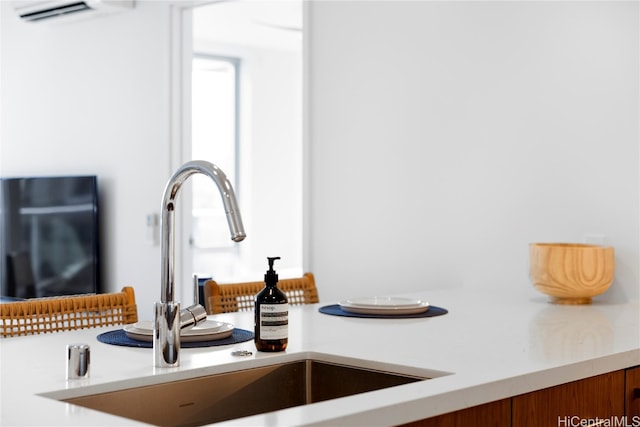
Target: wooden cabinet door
[(569, 404), (632, 395), (494, 414)]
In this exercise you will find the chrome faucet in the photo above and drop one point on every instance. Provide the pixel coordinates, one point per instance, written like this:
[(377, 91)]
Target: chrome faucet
[(169, 320)]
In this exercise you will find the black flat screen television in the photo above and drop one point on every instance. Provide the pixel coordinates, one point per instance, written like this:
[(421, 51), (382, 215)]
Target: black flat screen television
[(49, 243)]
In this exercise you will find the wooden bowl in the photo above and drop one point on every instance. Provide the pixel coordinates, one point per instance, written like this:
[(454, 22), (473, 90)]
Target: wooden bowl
[(571, 273)]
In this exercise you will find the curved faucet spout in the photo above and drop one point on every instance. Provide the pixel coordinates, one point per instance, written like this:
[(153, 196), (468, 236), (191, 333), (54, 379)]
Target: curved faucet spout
[(234, 219), (166, 339)]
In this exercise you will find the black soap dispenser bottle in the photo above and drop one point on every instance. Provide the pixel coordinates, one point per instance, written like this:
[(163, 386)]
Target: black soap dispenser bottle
[(271, 314)]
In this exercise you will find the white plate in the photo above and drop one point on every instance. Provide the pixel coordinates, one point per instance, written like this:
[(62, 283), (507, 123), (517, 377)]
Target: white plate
[(385, 302), (203, 328), (385, 305), (209, 330)]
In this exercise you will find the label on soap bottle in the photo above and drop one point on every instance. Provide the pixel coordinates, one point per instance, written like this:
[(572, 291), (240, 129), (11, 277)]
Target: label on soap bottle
[(274, 321)]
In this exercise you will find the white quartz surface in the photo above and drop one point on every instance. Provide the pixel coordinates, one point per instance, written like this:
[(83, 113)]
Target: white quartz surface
[(495, 345)]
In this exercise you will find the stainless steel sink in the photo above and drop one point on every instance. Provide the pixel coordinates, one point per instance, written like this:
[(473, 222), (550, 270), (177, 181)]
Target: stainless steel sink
[(224, 396)]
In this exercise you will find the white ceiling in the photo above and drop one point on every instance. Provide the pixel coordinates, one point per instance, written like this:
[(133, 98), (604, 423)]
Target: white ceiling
[(266, 23)]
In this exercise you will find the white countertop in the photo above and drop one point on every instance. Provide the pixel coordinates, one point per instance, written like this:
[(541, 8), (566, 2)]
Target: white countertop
[(494, 346)]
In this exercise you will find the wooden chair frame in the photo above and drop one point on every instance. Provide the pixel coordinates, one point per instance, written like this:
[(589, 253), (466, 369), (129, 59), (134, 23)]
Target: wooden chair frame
[(227, 298), (64, 313)]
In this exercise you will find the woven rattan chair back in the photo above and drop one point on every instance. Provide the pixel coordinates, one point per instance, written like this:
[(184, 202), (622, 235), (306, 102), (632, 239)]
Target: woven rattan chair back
[(64, 313), (240, 296)]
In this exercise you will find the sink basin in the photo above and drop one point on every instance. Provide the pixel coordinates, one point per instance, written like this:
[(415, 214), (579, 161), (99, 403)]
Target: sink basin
[(223, 396)]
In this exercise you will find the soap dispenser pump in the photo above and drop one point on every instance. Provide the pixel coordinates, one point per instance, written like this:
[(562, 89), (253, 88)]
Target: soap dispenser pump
[(271, 314)]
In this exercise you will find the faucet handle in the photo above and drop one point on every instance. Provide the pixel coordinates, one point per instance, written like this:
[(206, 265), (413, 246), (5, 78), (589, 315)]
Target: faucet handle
[(191, 316)]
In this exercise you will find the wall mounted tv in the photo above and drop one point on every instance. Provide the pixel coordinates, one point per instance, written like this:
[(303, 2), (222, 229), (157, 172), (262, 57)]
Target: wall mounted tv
[(49, 242)]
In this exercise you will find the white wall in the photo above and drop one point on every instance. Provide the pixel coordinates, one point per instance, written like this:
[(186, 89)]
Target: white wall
[(92, 97), (446, 136)]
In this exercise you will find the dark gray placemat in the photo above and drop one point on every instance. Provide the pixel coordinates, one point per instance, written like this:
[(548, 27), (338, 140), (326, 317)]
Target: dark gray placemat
[(119, 337), (335, 310)]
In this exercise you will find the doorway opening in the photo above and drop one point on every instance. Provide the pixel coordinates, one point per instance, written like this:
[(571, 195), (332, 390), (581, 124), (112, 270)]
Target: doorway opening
[(246, 117)]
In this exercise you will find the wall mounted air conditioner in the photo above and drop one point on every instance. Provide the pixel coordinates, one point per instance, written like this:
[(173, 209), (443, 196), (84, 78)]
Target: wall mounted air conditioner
[(61, 10)]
